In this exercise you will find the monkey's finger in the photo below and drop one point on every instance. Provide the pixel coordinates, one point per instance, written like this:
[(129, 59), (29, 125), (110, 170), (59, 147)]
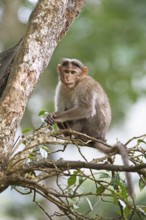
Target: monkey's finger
[(49, 120)]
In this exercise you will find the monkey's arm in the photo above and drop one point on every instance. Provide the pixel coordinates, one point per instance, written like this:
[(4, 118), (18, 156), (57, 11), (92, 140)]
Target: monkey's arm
[(76, 113)]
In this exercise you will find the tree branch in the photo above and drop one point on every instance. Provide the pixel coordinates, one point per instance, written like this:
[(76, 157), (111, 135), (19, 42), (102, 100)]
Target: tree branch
[(67, 165)]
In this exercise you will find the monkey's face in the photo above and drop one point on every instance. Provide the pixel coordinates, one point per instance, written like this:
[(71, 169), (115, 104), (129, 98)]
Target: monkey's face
[(70, 75)]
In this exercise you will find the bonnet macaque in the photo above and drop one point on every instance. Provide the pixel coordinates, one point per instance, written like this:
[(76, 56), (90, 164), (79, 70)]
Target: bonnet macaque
[(80, 102), (82, 105)]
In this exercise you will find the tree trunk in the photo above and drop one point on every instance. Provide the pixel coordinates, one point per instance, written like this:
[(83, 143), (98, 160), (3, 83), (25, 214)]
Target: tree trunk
[(48, 23)]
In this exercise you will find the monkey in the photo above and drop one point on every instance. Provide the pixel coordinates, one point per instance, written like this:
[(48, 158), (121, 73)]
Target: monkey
[(80, 102), (82, 105)]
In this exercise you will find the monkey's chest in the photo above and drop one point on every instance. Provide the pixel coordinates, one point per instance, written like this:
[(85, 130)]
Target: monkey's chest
[(67, 103)]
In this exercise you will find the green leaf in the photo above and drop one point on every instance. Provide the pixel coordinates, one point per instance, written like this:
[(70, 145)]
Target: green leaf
[(115, 180), (42, 112), (71, 180), (141, 141), (123, 190), (119, 186), (114, 196), (142, 184), (127, 211), (100, 190), (26, 130), (81, 180), (104, 175), (31, 157)]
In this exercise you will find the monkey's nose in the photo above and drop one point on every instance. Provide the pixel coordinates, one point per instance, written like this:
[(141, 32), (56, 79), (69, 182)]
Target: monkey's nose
[(68, 78)]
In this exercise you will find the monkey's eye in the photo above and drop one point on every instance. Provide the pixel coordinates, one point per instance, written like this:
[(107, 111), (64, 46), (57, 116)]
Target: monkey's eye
[(66, 71), (73, 72)]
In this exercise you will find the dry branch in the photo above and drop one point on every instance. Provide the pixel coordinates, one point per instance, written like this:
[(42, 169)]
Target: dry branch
[(24, 164)]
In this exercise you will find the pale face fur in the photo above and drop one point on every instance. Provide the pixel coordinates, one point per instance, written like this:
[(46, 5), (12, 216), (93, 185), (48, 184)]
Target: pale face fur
[(70, 75), (70, 72)]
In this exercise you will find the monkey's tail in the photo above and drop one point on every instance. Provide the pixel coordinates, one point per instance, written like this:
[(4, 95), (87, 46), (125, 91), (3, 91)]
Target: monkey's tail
[(121, 149), (124, 154)]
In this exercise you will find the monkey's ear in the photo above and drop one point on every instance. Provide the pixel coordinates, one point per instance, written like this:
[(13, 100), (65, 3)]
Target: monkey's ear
[(85, 70), (59, 68)]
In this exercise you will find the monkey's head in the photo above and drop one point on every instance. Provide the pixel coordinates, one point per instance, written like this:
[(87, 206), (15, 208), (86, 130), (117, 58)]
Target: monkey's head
[(71, 71)]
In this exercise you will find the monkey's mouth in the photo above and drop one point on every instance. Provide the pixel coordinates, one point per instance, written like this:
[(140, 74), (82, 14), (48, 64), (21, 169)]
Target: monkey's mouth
[(69, 85)]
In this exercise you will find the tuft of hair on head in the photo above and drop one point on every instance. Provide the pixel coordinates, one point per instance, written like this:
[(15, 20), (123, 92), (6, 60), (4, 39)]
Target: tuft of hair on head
[(75, 62)]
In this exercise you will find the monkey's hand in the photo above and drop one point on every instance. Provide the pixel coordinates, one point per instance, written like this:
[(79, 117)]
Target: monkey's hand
[(50, 119)]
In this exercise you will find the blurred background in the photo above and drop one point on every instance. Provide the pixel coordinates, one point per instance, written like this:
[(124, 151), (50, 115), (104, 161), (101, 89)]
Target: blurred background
[(109, 37)]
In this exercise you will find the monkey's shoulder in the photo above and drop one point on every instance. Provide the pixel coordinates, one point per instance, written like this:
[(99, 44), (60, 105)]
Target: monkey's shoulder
[(89, 84), (86, 89)]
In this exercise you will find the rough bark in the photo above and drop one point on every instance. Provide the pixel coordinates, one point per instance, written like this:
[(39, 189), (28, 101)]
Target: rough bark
[(48, 23)]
